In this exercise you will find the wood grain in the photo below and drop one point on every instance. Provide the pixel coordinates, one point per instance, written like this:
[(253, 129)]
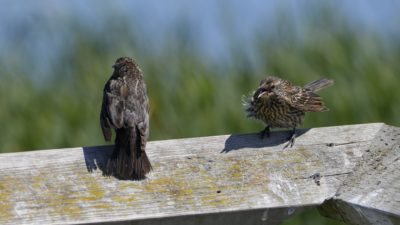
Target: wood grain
[(233, 179)]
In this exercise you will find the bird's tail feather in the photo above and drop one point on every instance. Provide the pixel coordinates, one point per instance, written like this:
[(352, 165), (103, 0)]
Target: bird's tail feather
[(319, 84), (128, 161)]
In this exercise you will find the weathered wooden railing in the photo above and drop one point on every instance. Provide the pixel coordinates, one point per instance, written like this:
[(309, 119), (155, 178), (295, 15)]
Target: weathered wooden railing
[(229, 179)]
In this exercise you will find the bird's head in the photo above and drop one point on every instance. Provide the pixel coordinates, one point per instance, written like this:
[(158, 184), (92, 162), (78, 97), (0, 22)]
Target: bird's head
[(126, 65), (122, 62), (266, 88)]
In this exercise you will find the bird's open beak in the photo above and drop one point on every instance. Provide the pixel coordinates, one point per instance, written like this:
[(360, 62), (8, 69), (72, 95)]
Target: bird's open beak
[(261, 94), (114, 66)]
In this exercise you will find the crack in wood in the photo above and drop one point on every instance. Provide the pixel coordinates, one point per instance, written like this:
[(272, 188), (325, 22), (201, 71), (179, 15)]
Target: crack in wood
[(327, 175), (331, 144)]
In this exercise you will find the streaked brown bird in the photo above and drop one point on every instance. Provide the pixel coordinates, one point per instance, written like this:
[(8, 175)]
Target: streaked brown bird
[(125, 108), (280, 104)]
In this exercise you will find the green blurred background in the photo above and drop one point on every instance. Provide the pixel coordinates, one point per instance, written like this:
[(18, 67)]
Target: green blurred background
[(198, 58)]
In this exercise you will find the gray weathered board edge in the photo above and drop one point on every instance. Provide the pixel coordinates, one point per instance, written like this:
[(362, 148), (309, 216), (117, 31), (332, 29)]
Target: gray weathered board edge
[(371, 193)]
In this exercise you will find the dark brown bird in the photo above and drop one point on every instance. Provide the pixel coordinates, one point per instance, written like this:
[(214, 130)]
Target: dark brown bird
[(279, 103), (125, 108)]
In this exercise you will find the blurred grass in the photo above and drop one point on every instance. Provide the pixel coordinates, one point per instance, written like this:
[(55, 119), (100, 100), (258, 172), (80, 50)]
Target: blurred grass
[(188, 95)]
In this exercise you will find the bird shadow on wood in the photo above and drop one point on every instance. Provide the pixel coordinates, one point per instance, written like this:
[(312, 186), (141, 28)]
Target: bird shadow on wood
[(240, 141), (96, 157)]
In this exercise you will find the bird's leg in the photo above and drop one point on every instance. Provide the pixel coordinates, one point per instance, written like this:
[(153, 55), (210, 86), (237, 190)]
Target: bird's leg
[(265, 132), (291, 139)]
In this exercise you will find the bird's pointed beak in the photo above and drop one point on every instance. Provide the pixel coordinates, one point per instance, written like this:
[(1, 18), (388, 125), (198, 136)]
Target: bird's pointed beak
[(114, 66), (261, 94)]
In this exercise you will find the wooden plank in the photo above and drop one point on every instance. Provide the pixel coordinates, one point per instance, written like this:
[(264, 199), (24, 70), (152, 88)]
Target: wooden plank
[(230, 178), (371, 193)]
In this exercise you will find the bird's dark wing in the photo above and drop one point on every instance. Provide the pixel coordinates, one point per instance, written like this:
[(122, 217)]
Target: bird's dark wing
[(104, 121), (137, 110), (302, 99), (112, 111)]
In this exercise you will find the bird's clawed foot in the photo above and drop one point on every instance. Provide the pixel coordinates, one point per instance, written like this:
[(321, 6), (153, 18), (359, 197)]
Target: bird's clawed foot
[(291, 139), (265, 132)]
